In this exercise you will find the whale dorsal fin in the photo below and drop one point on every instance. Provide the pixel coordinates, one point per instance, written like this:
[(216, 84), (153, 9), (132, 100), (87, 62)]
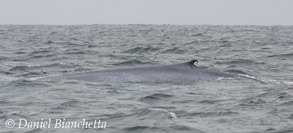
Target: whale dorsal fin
[(191, 63)]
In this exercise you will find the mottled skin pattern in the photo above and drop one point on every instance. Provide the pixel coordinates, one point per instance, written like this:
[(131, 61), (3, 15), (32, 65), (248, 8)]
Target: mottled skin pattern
[(175, 73)]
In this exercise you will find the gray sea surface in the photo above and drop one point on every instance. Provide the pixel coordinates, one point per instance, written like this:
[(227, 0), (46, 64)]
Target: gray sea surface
[(264, 53)]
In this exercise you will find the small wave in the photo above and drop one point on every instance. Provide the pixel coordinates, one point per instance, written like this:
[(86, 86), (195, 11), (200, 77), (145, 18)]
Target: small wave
[(140, 129), (5, 78), (61, 42), (40, 52), (238, 61), (154, 97), (210, 101), (20, 68), (184, 101), (170, 115), (162, 95), (175, 51), (192, 42), (282, 55), (92, 46), (131, 62), (149, 99), (80, 52), (236, 71), (20, 52), (147, 116), (141, 50), (284, 130), (212, 114), (3, 58), (49, 42), (253, 102), (29, 68), (226, 45), (70, 103), (69, 43), (290, 103), (288, 82), (20, 83), (198, 34), (32, 74)]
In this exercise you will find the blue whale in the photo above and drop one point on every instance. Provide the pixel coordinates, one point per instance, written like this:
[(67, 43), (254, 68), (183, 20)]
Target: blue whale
[(175, 73)]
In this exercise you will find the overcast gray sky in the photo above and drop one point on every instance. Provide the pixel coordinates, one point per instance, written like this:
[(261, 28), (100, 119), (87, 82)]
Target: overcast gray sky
[(179, 12)]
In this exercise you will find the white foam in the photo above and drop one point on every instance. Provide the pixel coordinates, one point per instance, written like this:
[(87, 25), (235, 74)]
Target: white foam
[(268, 81)]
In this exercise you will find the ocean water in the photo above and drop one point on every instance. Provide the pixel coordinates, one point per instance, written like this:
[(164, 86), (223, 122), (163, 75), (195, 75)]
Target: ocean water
[(264, 104)]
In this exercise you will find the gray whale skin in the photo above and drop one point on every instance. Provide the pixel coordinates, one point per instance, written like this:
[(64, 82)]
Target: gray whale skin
[(177, 73)]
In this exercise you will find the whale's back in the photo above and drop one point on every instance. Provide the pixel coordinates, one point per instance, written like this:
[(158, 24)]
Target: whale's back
[(184, 72)]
